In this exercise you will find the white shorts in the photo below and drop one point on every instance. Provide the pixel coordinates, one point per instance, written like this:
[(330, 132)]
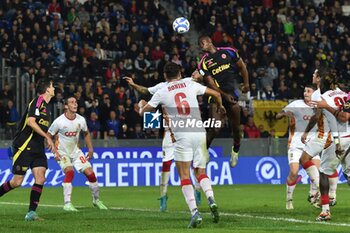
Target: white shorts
[(167, 147), (294, 155), (78, 161), (330, 162), (315, 146), (191, 147)]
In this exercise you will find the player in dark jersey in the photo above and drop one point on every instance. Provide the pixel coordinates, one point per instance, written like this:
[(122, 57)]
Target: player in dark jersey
[(29, 148), (220, 66)]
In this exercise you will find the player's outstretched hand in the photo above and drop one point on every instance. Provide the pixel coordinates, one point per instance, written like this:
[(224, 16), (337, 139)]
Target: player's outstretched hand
[(142, 103), (319, 104), (57, 157), (304, 138), (221, 109), (129, 80), (50, 145), (245, 88), (339, 151), (89, 155)]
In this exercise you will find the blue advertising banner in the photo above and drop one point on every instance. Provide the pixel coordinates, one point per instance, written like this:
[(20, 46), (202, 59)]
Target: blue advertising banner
[(119, 167)]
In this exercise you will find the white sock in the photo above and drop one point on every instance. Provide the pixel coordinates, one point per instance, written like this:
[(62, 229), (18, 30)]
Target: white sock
[(165, 176), (197, 185), (206, 187), (187, 191), (290, 191), (95, 191), (333, 183), (314, 175), (313, 188), (67, 192), (325, 208)]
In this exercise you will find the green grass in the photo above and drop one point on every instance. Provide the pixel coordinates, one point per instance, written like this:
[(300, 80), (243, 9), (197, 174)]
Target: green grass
[(244, 208)]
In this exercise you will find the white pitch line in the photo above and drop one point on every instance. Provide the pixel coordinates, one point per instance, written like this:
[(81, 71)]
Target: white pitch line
[(293, 220)]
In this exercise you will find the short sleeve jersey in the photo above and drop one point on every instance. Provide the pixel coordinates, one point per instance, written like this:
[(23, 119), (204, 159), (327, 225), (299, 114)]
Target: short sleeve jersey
[(301, 117), (179, 99), (26, 137), (68, 132), (221, 65)]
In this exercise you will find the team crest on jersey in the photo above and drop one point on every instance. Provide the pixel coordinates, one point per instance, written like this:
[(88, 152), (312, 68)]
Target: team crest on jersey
[(223, 56)]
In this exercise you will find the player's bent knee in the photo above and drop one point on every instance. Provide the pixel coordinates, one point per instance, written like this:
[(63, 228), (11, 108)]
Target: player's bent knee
[(69, 176), (91, 177), (40, 180)]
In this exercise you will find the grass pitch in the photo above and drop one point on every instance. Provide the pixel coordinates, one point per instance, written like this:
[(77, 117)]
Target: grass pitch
[(244, 208)]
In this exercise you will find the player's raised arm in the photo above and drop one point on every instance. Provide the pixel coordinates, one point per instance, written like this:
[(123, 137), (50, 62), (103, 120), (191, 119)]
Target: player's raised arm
[(138, 88), (341, 116), (282, 114)]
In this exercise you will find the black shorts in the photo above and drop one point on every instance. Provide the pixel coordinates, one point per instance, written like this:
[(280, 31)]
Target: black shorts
[(27, 159)]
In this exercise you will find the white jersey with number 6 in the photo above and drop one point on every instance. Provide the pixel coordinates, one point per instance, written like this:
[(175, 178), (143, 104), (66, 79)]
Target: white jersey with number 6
[(180, 101)]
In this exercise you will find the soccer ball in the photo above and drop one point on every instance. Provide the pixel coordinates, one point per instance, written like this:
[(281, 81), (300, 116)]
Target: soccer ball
[(181, 25)]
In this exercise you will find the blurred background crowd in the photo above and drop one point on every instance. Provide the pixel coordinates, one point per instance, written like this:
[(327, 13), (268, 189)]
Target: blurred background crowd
[(88, 46)]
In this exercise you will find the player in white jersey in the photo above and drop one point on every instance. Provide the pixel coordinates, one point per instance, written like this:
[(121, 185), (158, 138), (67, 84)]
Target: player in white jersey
[(299, 113), (67, 127), (343, 116), (322, 143), (179, 98), (328, 178), (167, 146), (335, 99)]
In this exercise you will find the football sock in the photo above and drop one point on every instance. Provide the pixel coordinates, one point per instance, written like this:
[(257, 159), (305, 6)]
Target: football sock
[(313, 173), (206, 185), (290, 189), (67, 192), (333, 183), (5, 188), (197, 185), (325, 203), (188, 192), (95, 191), (35, 196), (165, 176), (236, 145)]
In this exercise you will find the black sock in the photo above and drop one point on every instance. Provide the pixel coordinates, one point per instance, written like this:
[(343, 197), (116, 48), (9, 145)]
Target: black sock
[(5, 188), (35, 196), (236, 146)]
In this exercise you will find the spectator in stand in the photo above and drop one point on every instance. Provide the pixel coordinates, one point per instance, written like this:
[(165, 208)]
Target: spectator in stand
[(11, 119), (250, 129), (94, 125), (113, 126)]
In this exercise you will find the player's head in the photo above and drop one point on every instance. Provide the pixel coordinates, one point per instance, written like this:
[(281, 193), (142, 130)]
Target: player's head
[(308, 90), (71, 104), (327, 78), (172, 71), (45, 86), (205, 42)]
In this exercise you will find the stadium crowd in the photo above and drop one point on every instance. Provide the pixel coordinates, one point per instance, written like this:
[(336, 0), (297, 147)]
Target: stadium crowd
[(88, 46)]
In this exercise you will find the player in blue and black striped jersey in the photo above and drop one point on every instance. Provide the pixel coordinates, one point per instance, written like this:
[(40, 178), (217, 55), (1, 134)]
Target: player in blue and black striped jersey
[(220, 67), (29, 147)]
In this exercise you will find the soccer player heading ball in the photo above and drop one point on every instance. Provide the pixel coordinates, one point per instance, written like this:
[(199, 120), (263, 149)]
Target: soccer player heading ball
[(220, 68)]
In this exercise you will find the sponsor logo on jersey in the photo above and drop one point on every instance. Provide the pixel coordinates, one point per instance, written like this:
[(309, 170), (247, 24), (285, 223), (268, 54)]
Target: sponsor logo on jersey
[(70, 134), (220, 69), (43, 122)]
